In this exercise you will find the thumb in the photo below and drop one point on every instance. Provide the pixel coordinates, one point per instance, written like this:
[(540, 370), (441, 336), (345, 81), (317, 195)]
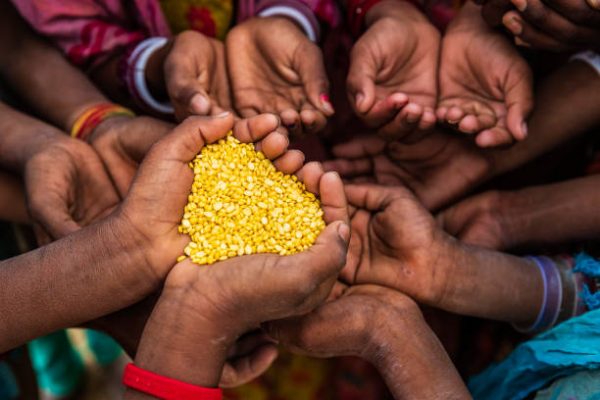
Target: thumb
[(246, 368), (188, 138), (52, 214), (519, 101), (360, 84), (311, 69)]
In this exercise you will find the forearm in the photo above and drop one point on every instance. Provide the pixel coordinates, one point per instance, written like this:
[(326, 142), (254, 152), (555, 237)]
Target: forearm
[(186, 346), (21, 136), (490, 284), (90, 273), (560, 213), (413, 362), (41, 76), (566, 107)]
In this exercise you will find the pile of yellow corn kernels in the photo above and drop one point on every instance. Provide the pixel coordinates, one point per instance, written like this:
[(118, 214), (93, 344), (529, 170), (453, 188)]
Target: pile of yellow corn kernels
[(240, 204)]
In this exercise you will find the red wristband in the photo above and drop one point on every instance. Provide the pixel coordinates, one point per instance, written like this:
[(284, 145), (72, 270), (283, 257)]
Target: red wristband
[(166, 388)]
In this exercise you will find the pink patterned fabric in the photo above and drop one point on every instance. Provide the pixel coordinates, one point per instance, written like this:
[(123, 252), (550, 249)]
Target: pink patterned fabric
[(90, 31)]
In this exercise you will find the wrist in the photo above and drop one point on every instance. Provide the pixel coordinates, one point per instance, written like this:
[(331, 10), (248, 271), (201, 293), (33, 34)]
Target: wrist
[(297, 13), (397, 9), (184, 339), (107, 125)]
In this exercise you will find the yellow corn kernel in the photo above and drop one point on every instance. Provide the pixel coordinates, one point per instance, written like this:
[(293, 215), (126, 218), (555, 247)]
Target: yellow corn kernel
[(240, 204)]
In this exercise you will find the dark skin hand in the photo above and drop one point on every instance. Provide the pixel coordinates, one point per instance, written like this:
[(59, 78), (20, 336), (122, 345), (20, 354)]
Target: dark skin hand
[(127, 255), (122, 142), (191, 72), (66, 185), (439, 168), (274, 67), (392, 83), (488, 96), (555, 25), (382, 326), (202, 311), (397, 243)]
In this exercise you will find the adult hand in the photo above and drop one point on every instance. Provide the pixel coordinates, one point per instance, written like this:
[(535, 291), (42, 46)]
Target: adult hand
[(491, 96), (382, 326), (203, 310), (66, 186), (274, 67), (396, 243), (556, 25), (439, 168), (122, 143), (195, 75), (392, 82), (153, 208)]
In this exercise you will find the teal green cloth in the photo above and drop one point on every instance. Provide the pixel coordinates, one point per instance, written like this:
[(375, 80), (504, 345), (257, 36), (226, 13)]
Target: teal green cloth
[(567, 349), (104, 348), (9, 389), (58, 366), (583, 385)]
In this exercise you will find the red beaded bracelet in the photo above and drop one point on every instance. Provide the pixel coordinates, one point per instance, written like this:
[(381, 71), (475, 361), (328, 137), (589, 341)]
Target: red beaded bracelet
[(166, 388)]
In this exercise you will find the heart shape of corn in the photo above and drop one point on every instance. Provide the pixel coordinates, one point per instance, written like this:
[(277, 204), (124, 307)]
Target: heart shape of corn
[(240, 204)]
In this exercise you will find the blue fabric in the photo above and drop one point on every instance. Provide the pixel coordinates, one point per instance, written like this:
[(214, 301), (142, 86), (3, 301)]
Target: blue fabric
[(9, 389), (583, 385), (571, 347), (589, 267), (105, 349)]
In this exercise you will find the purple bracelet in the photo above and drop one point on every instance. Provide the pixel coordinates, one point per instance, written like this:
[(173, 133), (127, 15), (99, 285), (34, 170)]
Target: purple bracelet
[(552, 301)]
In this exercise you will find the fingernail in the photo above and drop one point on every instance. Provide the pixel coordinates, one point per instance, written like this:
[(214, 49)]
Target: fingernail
[(222, 115), (344, 231), (524, 129), (520, 4), (326, 104), (514, 25), (200, 104), (359, 99), (293, 126)]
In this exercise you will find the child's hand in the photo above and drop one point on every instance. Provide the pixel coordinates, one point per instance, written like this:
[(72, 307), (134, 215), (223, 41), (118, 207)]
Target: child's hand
[(203, 310), (486, 87), (557, 25), (122, 143), (479, 221), (439, 168), (66, 185), (396, 243), (275, 68), (152, 210), (392, 82)]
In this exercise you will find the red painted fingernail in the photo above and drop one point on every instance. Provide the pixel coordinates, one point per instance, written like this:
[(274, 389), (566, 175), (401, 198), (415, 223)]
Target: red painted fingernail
[(325, 103)]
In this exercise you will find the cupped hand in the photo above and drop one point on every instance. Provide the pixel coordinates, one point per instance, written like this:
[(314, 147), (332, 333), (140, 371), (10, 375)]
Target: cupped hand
[(153, 208), (195, 75), (392, 82), (478, 221), (486, 87), (67, 187), (122, 143), (439, 168), (395, 243), (555, 25), (274, 67), (203, 310)]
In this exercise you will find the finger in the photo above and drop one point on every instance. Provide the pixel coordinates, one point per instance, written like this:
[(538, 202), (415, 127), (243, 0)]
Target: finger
[(359, 147), (493, 10), (312, 120), (274, 145), (188, 138), (428, 119), (374, 197), (290, 162), (52, 213), (333, 198), (519, 102), (311, 69), (454, 115), (311, 175), (41, 236), (253, 129), (360, 83), (350, 168), (494, 137), (385, 110), (405, 122), (138, 142), (245, 369), (469, 124)]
